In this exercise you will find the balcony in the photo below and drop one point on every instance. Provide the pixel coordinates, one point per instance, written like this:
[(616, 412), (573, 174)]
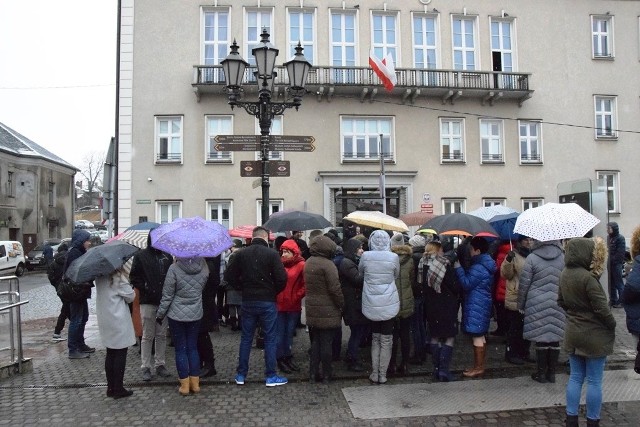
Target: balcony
[(448, 85)]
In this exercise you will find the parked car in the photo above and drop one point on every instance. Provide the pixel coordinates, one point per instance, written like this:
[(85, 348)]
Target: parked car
[(96, 238), (12, 260), (104, 235), (83, 223), (35, 257)]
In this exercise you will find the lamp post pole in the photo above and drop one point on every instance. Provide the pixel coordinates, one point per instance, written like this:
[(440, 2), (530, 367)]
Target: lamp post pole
[(264, 110)]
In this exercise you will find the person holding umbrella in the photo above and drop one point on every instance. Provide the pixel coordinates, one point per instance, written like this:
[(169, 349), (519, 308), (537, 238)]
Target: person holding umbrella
[(182, 303), (113, 293)]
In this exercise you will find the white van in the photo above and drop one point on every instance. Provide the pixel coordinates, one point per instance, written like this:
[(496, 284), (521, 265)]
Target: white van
[(12, 258)]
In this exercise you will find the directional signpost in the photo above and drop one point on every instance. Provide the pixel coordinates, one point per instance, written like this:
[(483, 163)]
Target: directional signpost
[(254, 168)]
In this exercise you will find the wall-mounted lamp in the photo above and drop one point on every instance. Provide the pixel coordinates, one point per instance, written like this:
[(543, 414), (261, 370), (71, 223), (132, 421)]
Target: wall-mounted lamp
[(149, 179)]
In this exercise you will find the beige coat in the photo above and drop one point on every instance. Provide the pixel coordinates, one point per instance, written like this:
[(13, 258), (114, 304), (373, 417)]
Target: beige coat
[(510, 271)]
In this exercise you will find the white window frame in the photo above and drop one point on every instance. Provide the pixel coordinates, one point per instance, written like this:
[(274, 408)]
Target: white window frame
[(613, 189), (264, 18), (495, 143), (602, 39), (531, 202), (504, 80), (526, 158), (310, 46), (602, 116), (171, 157), (381, 48), (341, 75), (493, 202), (52, 194), (388, 138), (210, 154), (279, 203), (220, 206), (449, 205), (446, 134), (175, 211), (425, 47), (277, 126), (463, 47), (220, 45)]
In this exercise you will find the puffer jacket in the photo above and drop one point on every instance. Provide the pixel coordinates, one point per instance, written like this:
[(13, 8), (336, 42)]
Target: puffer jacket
[(510, 272), (590, 326), (631, 292), (324, 300), (380, 268), (476, 285), (182, 291), (500, 288), (616, 244), (406, 280), (351, 281), (290, 299), (537, 294)]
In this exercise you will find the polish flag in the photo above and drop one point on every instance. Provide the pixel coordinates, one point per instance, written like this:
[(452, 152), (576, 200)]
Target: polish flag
[(385, 70)]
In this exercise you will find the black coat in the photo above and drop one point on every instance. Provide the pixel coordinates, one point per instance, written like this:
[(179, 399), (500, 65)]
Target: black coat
[(257, 271), (148, 271), (209, 314), (441, 309), (418, 288), (352, 281)]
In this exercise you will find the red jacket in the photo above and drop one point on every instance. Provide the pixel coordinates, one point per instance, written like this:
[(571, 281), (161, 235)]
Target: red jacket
[(501, 283), (290, 299)]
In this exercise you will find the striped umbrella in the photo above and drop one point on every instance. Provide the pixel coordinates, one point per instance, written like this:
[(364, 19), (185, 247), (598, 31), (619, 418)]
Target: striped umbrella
[(136, 238)]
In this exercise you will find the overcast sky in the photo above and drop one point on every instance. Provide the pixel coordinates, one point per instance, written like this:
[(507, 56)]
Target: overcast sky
[(57, 73)]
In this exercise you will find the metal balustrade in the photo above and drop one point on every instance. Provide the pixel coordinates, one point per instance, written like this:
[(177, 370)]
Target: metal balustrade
[(10, 302)]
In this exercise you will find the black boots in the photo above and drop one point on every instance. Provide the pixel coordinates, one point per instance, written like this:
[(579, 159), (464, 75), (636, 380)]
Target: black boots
[(435, 357), (542, 363), (571, 421), (444, 373), (552, 361), (283, 367), (592, 423)]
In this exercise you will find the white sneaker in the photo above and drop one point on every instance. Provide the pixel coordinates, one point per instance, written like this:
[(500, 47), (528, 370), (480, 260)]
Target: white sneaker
[(57, 338)]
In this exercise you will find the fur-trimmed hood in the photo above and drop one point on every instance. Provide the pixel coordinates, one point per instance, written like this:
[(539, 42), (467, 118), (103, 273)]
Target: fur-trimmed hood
[(404, 252), (590, 254), (635, 242)]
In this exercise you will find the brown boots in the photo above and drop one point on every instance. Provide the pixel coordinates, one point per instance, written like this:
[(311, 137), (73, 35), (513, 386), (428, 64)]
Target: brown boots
[(478, 358), (189, 384)]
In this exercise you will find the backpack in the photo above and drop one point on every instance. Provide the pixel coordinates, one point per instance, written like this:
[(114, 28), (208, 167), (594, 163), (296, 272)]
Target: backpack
[(55, 269), (69, 291)]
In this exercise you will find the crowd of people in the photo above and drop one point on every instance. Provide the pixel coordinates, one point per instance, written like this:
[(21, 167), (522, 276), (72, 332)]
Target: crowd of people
[(400, 294)]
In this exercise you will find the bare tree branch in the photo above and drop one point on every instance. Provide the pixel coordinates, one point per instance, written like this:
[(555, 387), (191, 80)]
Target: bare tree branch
[(92, 171)]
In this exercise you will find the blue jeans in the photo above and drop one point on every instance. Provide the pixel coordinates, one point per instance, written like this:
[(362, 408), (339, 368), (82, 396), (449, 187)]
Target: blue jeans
[(418, 328), (185, 342), (616, 284), (357, 333), (285, 327), (78, 317), (253, 313), (591, 369)]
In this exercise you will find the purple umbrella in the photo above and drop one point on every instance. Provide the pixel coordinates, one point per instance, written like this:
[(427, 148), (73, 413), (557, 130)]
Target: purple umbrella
[(191, 237)]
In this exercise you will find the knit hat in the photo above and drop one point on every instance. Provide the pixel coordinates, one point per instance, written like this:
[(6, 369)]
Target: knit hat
[(397, 240), (417, 241)]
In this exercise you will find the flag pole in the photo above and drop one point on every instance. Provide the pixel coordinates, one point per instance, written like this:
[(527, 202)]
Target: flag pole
[(382, 183)]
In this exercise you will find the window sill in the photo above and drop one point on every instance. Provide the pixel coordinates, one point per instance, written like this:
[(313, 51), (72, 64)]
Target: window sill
[(168, 162), (496, 163), (603, 58), (607, 138), (537, 163), (218, 162), (452, 162), (373, 161)]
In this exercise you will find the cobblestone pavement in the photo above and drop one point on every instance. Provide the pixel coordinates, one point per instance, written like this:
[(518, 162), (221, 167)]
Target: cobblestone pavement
[(72, 392)]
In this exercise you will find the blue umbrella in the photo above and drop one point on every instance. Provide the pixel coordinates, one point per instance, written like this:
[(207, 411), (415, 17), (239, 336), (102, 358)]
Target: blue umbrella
[(504, 224), (147, 225)]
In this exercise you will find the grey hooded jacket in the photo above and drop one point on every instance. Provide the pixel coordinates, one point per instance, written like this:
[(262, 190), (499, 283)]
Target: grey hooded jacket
[(380, 268), (544, 320), (182, 291)]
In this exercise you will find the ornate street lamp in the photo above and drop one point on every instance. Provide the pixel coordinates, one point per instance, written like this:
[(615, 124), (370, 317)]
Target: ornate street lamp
[(264, 110)]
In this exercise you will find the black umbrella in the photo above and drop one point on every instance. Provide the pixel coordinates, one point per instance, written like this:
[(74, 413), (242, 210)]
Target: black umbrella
[(295, 220), (100, 261), (461, 224)]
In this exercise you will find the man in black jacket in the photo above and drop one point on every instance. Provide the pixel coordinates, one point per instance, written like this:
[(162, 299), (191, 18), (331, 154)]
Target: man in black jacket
[(617, 248), (78, 310), (148, 272), (258, 272), (55, 270)]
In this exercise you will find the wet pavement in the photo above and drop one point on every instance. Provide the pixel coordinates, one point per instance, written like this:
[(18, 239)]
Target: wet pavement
[(63, 391)]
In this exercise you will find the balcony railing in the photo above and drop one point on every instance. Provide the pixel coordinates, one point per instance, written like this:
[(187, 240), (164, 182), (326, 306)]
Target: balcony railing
[(483, 84)]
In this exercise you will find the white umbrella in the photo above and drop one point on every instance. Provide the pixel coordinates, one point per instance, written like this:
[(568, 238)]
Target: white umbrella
[(555, 221), (489, 212), (377, 219)]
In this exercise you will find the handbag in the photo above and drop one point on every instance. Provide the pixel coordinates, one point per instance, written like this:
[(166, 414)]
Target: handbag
[(70, 291)]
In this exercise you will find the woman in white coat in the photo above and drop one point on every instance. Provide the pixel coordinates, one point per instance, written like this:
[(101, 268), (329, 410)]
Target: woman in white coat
[(380, 302), (113, 293)]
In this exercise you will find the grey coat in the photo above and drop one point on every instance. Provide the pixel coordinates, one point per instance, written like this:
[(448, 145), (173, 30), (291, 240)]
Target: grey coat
[(182, 291), (113, 293), (380, 268), (544, 320)]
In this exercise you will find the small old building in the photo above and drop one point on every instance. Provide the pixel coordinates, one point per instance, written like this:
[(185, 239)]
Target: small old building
[(36, 191)]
